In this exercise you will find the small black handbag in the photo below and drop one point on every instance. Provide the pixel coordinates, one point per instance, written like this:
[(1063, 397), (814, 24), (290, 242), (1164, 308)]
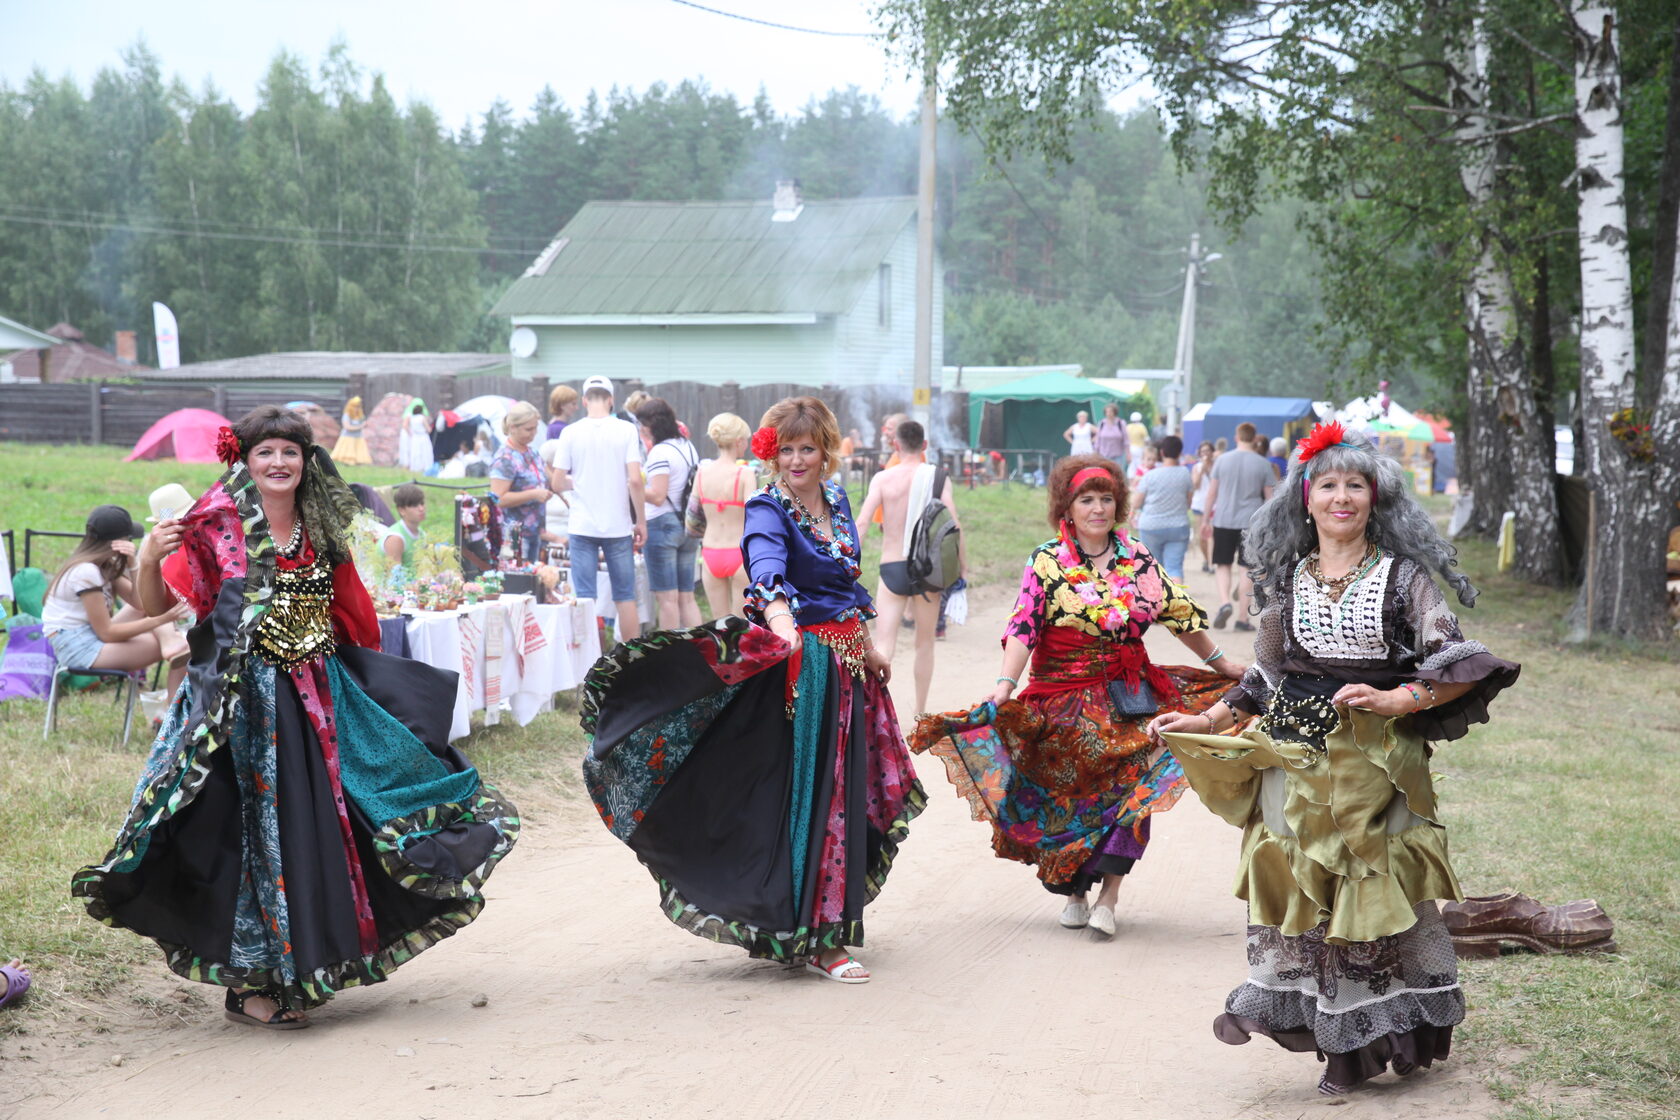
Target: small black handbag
[(1131, 701)]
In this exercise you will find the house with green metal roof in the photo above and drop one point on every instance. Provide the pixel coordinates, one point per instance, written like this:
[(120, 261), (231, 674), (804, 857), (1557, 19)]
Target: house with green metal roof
[(785, 291)]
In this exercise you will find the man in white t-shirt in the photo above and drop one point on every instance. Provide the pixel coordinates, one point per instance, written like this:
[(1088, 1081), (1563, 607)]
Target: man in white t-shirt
[(599, 459)]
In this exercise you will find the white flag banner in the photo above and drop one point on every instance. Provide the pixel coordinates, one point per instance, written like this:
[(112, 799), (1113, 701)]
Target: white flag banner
[(168, 336)]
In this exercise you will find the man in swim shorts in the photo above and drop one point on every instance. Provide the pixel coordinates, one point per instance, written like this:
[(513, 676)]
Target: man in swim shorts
[(901, 493)]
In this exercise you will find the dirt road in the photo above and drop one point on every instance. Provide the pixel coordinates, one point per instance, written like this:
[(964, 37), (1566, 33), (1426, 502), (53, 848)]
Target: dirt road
[(981, 1005)]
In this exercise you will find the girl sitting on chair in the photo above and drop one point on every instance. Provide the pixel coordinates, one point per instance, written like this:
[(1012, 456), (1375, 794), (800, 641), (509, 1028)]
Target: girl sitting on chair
[(77, 614)]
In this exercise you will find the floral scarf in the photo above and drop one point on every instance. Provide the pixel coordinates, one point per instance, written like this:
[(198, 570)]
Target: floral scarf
[(842, 546)]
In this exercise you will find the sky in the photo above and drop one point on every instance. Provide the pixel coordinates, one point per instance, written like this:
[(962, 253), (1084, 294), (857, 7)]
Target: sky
[(462, 56)]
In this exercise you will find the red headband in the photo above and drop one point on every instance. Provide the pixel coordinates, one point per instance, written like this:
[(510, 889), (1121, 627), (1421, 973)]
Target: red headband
[(1081, 477)]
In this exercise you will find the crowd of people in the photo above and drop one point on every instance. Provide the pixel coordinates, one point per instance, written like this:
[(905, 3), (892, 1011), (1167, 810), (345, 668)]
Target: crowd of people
[(1209, 501), (756, 763)]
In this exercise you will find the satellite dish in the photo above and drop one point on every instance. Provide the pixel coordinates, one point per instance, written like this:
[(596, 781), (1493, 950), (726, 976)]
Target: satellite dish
[(523, 343)]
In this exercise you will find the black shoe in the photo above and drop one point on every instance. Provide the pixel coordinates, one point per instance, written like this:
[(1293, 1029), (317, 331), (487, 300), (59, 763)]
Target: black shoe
[(1221, 617), (1243, 626)]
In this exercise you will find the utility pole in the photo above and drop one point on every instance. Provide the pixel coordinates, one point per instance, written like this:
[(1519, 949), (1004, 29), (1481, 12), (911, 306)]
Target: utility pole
[(1184, 360), (921, 396)]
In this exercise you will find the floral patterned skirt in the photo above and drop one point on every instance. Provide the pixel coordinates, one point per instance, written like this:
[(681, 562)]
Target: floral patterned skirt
[(1363, 1007), (761, 831), (1060, 776)]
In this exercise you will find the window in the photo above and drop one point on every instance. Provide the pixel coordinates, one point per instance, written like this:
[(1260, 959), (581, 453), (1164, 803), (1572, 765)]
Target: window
[(883, 297)]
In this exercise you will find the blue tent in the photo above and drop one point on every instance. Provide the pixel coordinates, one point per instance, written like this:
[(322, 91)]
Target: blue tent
[(1290, 417)]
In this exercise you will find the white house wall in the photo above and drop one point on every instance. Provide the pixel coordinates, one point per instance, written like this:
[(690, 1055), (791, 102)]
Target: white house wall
[(850, 350), (868, 354), (746, 355)]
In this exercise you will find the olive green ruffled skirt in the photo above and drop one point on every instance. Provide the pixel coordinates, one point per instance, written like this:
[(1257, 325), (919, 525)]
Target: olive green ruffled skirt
[(1346, 834)]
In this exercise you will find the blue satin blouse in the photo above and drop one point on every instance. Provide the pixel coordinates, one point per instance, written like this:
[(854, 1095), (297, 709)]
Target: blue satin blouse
[(818, 576)]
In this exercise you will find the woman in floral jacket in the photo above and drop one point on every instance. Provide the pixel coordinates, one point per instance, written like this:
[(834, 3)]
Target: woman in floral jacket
[(1064, 771)]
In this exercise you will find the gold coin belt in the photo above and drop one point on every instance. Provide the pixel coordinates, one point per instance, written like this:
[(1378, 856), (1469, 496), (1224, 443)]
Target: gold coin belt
[(298, 624)]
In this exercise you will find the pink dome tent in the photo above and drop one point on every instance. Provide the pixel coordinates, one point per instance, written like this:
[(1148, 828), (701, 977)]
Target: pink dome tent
[(187, 435)]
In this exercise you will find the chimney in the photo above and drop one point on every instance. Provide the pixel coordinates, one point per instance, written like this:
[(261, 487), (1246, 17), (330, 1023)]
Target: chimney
[(128, 353), (786, 203)]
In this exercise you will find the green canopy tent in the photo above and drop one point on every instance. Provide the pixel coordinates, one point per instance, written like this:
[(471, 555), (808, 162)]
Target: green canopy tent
[(1032, 413)]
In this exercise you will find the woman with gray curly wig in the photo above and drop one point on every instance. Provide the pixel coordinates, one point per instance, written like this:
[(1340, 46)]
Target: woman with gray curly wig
[(1358, 662)]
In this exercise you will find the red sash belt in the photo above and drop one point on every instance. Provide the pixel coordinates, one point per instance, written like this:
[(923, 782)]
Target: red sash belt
[(1066, 659)]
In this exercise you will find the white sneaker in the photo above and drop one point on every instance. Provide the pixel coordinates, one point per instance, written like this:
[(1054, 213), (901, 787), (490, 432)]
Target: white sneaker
[(1102, 920), (1075, 915)]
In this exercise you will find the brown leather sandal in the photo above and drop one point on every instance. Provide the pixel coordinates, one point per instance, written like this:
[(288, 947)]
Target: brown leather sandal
[(234, 1010)]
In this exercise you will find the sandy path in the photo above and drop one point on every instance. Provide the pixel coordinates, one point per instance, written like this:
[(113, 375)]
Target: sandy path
[(981, 1005)]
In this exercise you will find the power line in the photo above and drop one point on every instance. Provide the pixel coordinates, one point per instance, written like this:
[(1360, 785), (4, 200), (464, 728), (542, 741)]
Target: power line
[(221, 235), (520, 242), (777, 26)]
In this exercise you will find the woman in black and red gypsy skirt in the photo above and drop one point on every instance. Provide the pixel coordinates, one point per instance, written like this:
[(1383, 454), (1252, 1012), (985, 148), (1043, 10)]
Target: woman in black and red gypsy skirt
[(755, 765)]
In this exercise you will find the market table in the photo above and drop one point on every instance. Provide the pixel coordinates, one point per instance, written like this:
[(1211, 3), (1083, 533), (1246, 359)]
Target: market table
[(510, 651)]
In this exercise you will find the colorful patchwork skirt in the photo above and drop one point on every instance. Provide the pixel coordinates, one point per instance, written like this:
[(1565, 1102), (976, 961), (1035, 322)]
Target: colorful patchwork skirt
[(765, 830), (303, 831)]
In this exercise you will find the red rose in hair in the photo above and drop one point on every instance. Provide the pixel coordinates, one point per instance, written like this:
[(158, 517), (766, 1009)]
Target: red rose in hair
[(227, 446), (765, 444), (1323, 435)]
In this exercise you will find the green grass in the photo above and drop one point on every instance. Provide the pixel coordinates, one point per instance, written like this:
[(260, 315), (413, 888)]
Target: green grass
[(44, 486), (1569, 793)]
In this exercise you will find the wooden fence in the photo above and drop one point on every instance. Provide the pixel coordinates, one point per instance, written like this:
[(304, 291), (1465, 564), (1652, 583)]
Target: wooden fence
[(120, 413)]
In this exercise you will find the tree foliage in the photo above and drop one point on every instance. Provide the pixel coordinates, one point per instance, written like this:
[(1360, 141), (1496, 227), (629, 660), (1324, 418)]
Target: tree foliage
[(1430, 144), (330, 217)]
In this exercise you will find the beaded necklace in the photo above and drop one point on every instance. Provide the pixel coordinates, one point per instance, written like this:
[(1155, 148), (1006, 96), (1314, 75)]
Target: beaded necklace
[(289, 549), (1335, 588), (807, 517), (839, 544)]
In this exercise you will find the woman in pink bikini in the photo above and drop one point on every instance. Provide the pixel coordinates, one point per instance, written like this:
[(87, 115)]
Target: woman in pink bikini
[(724, 485)]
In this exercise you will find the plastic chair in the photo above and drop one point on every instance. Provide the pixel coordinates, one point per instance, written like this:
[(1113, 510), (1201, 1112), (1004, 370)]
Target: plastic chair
[(59, 678)]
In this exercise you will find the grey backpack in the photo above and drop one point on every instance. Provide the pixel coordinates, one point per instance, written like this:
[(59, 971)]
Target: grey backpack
[(931, 555)]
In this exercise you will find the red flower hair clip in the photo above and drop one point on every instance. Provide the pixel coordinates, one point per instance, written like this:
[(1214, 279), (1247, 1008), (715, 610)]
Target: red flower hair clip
[(765, 444), (1322, 436), (227, 446)]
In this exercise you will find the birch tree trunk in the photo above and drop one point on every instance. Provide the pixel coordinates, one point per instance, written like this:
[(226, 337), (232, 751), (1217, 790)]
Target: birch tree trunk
[(1665, 414), (1623, 592), (1513, 465)]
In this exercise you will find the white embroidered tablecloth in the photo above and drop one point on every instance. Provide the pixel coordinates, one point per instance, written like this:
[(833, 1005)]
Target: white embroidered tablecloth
[(512, 654)]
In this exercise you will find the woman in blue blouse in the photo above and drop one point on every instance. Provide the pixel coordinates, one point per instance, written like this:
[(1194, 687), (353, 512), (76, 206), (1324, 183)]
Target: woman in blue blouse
[(780, 726)]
